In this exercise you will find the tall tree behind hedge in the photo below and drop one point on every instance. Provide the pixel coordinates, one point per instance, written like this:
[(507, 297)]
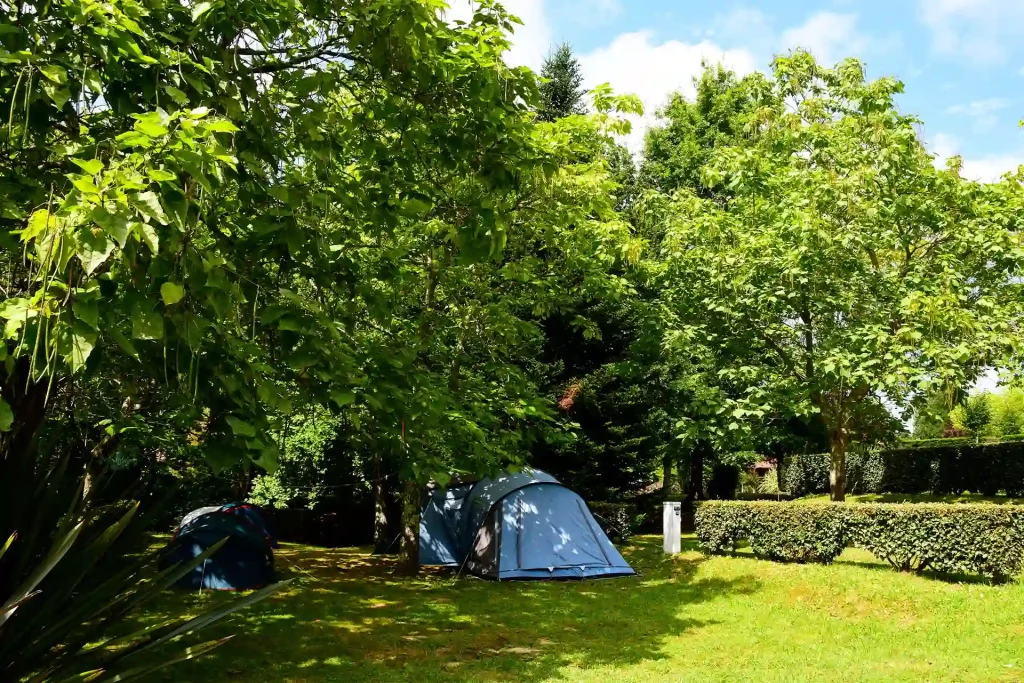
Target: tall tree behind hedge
[(844, 266), (689, 131), (562, 92)]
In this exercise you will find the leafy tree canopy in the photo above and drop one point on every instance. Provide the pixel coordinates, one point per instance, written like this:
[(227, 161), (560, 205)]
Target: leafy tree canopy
[(844, 268)]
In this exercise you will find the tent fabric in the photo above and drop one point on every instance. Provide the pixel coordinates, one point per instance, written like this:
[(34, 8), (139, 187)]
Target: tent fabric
[(245, 561), (522, 525)]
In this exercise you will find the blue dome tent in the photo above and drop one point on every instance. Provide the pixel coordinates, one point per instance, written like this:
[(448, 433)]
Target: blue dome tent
[(245, 561), (521, 525)]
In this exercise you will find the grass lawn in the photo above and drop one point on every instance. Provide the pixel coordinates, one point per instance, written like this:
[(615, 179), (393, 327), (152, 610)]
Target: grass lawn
[(686, 618)]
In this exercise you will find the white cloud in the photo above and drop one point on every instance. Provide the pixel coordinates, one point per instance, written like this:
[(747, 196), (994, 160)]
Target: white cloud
[(634, 63), (828, 36), (986, 169), (595, 12), (745, 26), (978, 30), (982, 111), (530, 42)]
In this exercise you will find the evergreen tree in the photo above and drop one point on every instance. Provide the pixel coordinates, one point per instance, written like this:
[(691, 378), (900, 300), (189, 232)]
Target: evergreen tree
[(562, 92)]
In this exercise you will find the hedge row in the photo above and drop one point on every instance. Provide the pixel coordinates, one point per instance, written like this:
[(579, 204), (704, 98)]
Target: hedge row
[(955, 539), (986, 468)]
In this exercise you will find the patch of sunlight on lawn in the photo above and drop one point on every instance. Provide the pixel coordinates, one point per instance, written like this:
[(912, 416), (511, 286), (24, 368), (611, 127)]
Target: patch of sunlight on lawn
[(690, 617)]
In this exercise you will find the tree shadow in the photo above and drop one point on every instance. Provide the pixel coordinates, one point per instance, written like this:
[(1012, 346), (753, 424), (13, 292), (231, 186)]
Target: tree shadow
[(348, 616), (942, 577)]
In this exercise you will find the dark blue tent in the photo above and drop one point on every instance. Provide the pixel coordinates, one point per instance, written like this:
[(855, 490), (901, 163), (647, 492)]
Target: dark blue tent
[(522, 525), (245, 561)]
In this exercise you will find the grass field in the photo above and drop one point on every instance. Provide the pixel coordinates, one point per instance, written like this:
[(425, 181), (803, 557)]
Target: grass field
[(686, 618)]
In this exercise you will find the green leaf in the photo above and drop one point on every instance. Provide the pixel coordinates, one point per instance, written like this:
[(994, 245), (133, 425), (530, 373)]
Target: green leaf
[(149, 236), (58, 95), (148, 204), (123, 341), (84, 184), (37, 225), (172, 293), (153, 123), (342, 398), (55, 73), (83, 340), (90, 166), (160, 175), (200, 9), (240, 427), (87, 310), (147, 323), (117, 225), (177, 95), (220, 126), (93, 249), (6, 416)]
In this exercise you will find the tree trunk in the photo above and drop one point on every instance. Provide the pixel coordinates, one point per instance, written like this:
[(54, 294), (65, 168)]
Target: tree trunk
[(382, 531), (839, 442), (697, 471), (410, 558), (28, 403), (667, 482)]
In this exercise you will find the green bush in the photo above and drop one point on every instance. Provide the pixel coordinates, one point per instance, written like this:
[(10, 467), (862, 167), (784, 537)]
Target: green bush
[(776, 530), (721, 525), (955, 539), (958, 539)]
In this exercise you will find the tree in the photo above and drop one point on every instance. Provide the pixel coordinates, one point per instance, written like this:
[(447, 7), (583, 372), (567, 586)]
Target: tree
[(977, 414), (193, 205), (561, 91), (844, 269), (200, 220), (719, 115)]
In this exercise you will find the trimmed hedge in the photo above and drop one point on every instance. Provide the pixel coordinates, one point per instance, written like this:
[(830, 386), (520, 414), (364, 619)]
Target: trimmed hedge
[(777, 530), (986, 468), (950, 538)]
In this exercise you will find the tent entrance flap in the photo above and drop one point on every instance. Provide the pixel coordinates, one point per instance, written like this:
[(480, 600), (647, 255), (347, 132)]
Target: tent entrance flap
[(550, 531)]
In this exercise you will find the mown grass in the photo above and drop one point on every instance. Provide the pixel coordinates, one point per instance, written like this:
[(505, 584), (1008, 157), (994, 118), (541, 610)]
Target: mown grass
[(686, 618)]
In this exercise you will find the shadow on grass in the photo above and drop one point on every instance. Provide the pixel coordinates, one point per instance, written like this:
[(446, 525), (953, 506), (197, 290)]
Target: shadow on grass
[(943, 577), (348, 617), (875, 564)]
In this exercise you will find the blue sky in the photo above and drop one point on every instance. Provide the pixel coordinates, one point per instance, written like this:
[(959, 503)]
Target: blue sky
[(962, 60)]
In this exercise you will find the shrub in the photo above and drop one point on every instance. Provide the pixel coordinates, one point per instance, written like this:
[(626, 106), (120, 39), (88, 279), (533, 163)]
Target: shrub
[(776, 530), (969, 539), (769, 482), (979, 539), (720, 526), (804, 475)]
